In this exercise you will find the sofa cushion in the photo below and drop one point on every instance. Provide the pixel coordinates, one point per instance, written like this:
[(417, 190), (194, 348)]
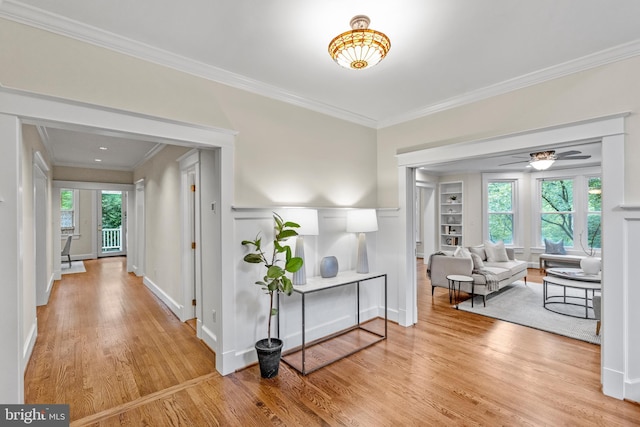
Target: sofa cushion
[(501, 273), (496, 251), (477, 261), (513, 266), (554, 248), (478, 250), (462, 252)]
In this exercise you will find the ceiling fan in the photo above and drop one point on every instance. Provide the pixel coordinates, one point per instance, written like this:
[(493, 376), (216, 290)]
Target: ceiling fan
[(542, 160)]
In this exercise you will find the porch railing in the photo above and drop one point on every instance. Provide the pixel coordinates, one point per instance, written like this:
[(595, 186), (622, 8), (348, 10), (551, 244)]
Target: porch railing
[(111, 239)]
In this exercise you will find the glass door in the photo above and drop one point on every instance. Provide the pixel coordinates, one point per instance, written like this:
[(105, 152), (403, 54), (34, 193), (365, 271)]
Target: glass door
[(111, 223)]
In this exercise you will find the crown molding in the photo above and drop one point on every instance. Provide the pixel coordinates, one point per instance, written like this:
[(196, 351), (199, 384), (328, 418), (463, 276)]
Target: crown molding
[(38, 18), (607, 56), (18, 12)]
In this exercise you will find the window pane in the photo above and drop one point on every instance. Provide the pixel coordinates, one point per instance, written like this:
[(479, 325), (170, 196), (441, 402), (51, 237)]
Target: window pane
[(557, 195), (595, 195), (66, 219), (500, 195), (556, 227), (594, 235), (501, 228), (66, 200)]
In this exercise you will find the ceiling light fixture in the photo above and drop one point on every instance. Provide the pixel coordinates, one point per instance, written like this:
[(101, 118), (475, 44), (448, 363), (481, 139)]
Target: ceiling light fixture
[(542, 160), (361, 47)]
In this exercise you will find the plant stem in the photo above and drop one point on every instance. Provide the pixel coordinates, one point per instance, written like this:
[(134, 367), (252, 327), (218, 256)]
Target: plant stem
[(270, 316)]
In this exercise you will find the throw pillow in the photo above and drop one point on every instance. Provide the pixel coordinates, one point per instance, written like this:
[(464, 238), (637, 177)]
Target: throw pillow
[(479, 250), (556, 248), (478, 264), (496, 252), (461, 252)]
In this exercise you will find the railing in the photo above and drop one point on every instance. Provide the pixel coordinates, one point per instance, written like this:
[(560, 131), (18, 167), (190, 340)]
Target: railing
[(112, 239)]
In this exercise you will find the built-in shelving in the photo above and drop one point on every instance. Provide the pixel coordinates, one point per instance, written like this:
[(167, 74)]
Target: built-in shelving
[(451, 203)]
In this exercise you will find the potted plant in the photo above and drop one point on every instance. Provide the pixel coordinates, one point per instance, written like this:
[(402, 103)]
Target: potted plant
[(274, 282), (453, 198)]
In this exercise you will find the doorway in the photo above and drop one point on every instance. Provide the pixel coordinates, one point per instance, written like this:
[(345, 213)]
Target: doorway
[(112, 225)]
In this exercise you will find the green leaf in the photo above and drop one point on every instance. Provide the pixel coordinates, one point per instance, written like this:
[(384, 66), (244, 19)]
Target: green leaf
[(275, 272), (253, 258), (274, 311), (285, 234), (291, 224), (287, 286), (294, 264)]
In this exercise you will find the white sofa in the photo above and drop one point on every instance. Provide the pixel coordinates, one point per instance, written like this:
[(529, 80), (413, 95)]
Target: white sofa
[(506, 272)]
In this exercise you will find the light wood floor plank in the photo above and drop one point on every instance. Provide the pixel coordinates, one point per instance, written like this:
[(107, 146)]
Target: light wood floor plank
[(108, 347)]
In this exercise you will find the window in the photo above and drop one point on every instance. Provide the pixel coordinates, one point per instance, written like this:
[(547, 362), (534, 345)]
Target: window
[(500, 202), (569, 210), (556, 212), (68, 211), (503, 207)]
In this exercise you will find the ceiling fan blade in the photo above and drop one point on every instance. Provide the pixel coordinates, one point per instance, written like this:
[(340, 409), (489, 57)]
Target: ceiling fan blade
[(513, 163), (575, 157), (567, 153)]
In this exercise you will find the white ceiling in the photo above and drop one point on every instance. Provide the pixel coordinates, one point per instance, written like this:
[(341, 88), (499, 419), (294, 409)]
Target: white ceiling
[(444, 52)]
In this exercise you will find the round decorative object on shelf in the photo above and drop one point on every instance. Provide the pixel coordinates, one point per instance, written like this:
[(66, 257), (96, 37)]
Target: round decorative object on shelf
[(451, 220), (590, 265), (329, 267)]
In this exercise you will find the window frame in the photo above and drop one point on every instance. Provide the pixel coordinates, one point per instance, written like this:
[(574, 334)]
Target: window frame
[(580, 177), (517, 206)]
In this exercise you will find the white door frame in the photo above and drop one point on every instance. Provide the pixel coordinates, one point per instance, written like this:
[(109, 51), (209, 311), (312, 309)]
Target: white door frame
[(616, 351), (40, 215), (17, 108), (191, 256)]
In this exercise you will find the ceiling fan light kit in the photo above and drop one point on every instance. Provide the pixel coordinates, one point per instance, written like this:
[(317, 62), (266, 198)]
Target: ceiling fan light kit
[(542, 160), (360, 48)]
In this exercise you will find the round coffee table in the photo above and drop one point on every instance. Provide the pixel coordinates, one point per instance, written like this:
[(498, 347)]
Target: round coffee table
[(573, 278)]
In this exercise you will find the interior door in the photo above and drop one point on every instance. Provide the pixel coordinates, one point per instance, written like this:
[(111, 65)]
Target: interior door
[(111, 223)]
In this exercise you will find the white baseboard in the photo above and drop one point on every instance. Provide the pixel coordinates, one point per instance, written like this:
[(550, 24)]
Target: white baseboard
[(164, 297), (632, 391), (29, 343), (613, 383)]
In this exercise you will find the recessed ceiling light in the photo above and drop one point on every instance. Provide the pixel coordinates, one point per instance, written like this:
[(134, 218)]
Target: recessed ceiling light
[(103, 148), (97, 160)]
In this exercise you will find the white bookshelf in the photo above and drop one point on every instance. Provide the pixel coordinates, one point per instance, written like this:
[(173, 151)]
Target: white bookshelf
[(451, 215)]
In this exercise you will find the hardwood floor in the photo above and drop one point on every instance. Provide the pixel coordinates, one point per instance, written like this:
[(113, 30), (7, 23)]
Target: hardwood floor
[(119, 357)]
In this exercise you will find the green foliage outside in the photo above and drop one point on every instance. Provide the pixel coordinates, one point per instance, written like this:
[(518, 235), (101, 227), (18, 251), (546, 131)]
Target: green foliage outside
[(111, 209), (500, 201), (66, 200), (558, 208)]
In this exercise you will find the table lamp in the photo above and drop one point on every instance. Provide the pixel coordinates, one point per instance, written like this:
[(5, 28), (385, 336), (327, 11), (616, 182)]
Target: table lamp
[(307, 219), (362, 221)]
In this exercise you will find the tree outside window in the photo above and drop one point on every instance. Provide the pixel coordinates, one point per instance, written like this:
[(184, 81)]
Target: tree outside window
[(500, 196), (67, 211), (557, 210), (594, 213)]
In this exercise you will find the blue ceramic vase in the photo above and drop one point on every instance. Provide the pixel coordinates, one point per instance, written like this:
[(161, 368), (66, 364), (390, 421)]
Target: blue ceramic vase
[(329, 267)]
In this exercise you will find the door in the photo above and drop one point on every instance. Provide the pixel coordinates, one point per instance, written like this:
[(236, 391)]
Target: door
[(111, 223)]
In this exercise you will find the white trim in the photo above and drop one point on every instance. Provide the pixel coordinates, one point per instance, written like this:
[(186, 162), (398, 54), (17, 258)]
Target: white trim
[(38, 18), (173, 305), (29, 343), (517, 178)]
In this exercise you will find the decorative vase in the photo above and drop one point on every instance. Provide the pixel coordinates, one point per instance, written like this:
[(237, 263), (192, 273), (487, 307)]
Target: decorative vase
[(269, 356), (329, 267), (590, 265)]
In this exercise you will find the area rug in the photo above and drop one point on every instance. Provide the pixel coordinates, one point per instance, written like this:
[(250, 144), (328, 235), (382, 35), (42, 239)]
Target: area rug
[(76, 267), (522, 304)]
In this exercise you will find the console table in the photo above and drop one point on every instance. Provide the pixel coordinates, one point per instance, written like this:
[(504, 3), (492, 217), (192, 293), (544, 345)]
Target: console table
[(319, 284)]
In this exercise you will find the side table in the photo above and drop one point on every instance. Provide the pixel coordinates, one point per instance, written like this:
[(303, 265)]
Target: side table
[(458, 278)]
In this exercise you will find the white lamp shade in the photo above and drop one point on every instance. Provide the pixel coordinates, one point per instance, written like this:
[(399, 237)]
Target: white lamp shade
[(307, 219), (541, 164), (362, 221)]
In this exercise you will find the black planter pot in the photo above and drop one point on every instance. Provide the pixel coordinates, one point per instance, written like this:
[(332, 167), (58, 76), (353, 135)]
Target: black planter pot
[(269, 356)]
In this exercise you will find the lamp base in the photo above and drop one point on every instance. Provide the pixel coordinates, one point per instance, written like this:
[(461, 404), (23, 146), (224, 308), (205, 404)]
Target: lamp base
[(363, 261), (300, 276)]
